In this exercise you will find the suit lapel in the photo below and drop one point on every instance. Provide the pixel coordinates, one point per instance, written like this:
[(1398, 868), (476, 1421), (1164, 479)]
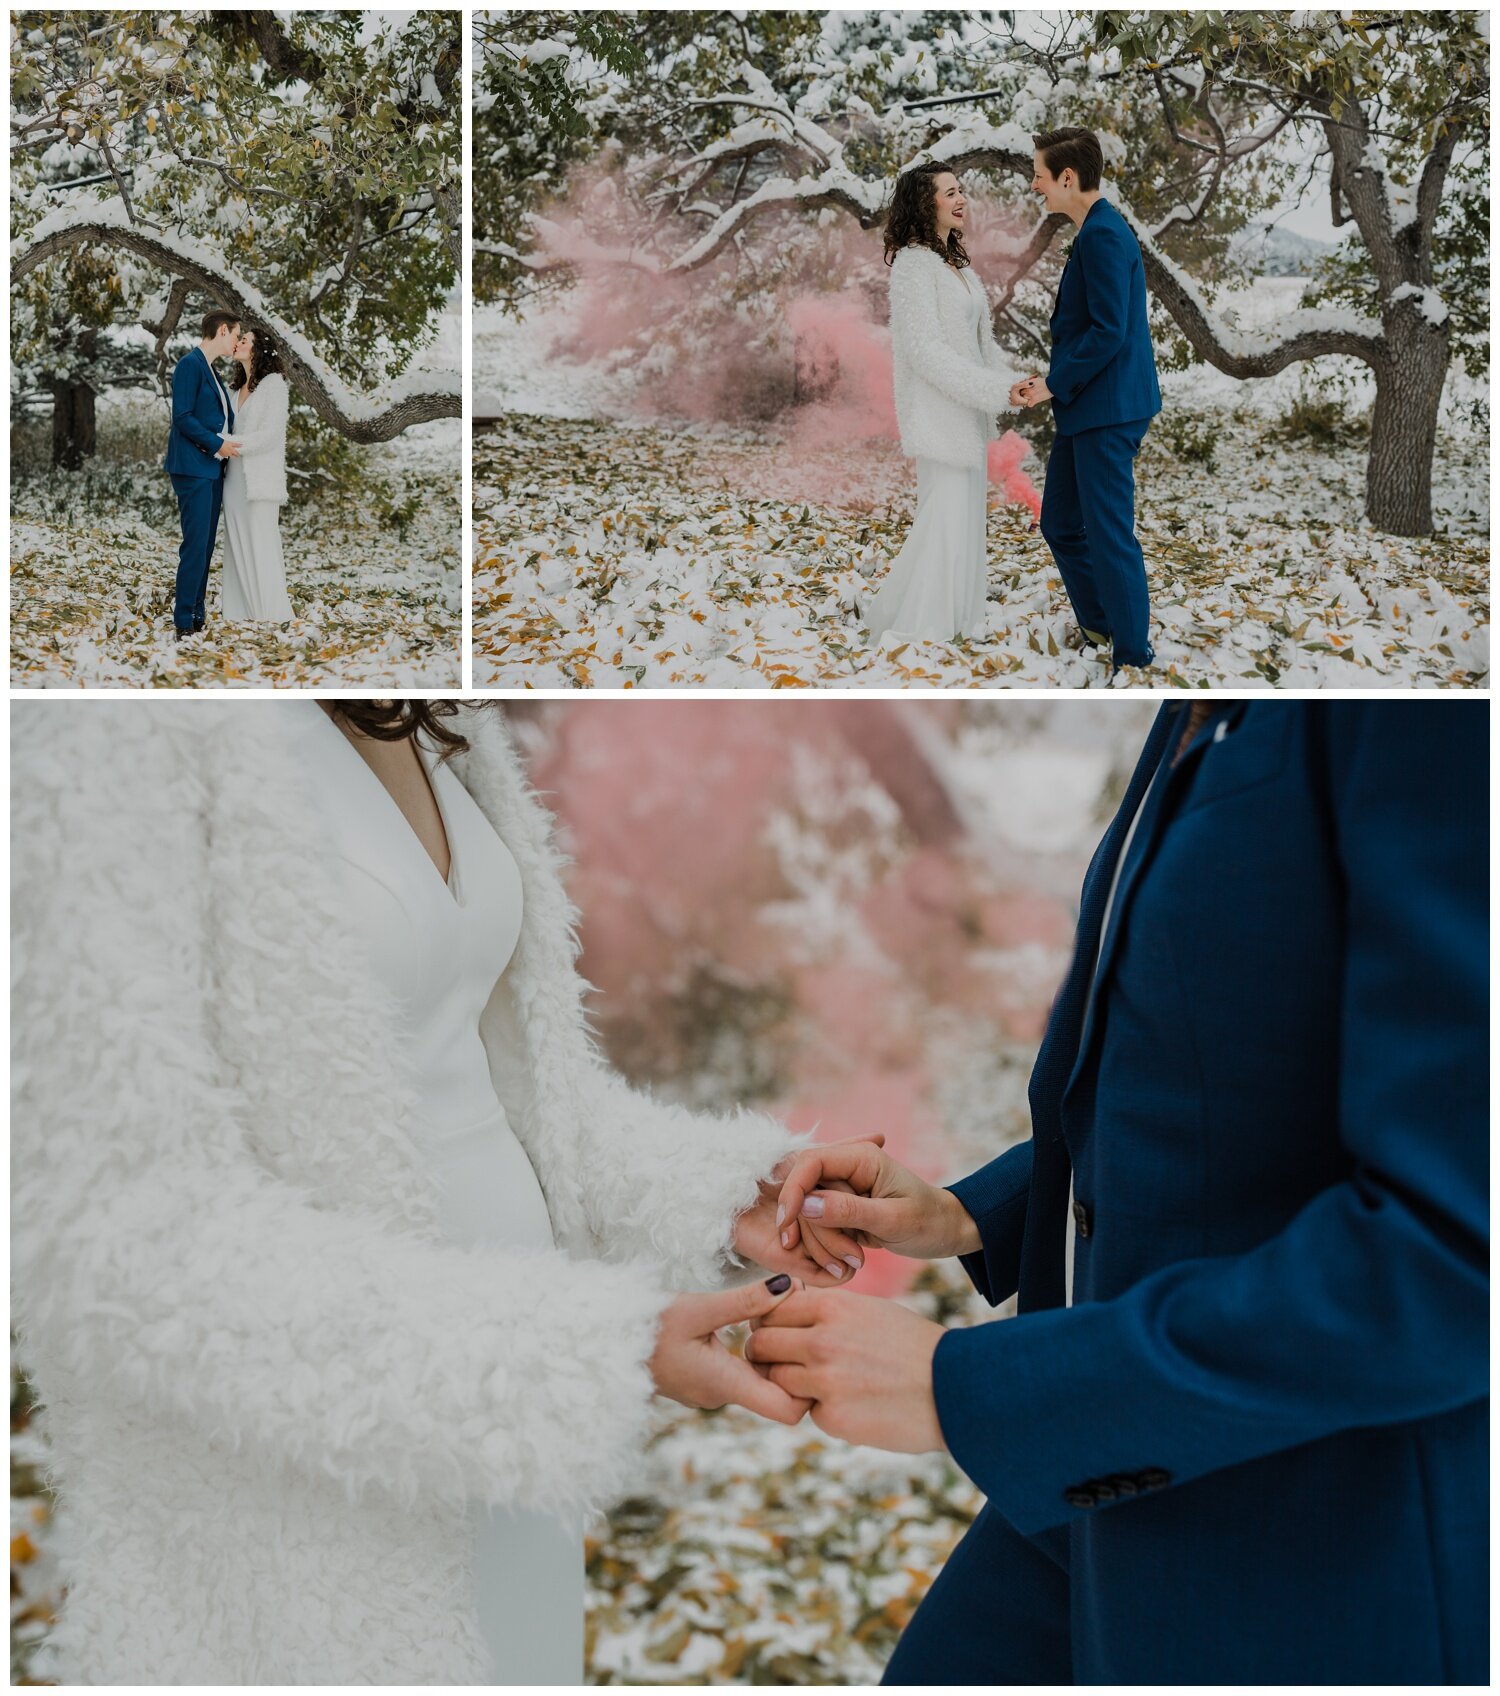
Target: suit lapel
[(1158, 811), (1043, 1272)]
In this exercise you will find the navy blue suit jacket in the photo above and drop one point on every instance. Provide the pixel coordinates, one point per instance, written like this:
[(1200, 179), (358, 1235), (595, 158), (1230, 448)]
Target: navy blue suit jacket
[(1103, 370), (1263, 1426), (197, 419)]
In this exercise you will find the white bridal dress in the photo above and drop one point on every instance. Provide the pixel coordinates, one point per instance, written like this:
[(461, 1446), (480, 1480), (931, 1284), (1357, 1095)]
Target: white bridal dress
[(254, 571), (935, 589), (439, 948)]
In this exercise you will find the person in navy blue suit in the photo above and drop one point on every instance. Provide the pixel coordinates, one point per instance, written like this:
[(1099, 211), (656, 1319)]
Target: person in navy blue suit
[(199, 449), (1104, 393), (1247, 1439)]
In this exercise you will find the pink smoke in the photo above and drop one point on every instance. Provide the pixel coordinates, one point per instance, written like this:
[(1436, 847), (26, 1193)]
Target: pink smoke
[(668, 873), (846, 356), (1005, 459), (786, 327)]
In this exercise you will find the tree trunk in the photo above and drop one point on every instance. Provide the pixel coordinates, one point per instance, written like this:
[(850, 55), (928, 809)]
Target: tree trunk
[(73, 439), (1403, 432)]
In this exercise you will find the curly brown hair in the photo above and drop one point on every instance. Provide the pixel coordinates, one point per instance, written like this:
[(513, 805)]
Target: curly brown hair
[(395, 720), (913, 216), (265, 357)]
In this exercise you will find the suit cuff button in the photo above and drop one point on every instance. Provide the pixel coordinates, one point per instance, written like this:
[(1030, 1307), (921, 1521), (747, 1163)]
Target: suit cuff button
[(1079, 1496)]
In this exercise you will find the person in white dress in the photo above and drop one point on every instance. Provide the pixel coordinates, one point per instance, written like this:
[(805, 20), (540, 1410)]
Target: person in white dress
[(343, 1267), (255, 485), (950, 380)]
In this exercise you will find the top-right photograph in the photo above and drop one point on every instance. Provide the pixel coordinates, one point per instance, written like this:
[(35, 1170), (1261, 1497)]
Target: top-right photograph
[(981, 349)]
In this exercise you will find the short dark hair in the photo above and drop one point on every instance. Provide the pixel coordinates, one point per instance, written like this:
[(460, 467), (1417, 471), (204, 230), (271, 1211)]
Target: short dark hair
[(215, 321), (1078, 149)]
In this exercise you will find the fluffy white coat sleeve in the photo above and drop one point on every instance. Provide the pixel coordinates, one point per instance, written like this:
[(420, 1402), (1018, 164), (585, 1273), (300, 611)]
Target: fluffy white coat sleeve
[(654, 1180), (914, 281), (160, 1258), (667, 1183), (272, 410)]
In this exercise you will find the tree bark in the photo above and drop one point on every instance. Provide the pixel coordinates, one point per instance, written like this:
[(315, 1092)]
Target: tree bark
[(1403, 431), (73, 429)]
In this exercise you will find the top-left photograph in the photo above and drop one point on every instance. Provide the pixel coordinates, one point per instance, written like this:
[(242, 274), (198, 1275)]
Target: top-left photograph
[(236, 350)]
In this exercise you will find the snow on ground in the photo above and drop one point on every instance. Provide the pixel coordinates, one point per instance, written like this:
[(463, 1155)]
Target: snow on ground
[(610, 554), (753, 1553), (93, 557)]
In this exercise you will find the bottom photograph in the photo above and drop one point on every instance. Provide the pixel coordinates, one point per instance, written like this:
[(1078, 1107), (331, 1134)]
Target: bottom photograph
[(802, 1192)]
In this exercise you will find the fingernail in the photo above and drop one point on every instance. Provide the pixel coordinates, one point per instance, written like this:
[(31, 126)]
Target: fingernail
[(786, 1239), (813, 1207), (854, 1261), (780, 1215), (779, 1285), (834, 1271)]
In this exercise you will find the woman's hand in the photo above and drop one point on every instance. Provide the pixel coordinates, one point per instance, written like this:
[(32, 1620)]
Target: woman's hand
[(855, 1189), (821, 1257), (692, 1365)]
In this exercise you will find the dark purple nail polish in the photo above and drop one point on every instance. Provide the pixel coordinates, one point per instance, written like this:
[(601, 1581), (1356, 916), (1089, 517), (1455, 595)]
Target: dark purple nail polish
[(779, 1285)]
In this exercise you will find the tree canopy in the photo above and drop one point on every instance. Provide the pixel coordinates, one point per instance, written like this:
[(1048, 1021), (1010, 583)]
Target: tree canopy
[(297, 166)]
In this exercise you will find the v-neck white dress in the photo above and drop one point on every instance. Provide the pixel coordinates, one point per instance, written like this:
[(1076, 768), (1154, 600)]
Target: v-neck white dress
[(937, 585), (440, 948)]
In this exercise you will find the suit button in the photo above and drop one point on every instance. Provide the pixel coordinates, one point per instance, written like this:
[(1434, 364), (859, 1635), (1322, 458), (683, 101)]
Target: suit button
[(1079, 1496), (1081, 1219), (1104, 1491), (1154, 1477), (1125, 1485)]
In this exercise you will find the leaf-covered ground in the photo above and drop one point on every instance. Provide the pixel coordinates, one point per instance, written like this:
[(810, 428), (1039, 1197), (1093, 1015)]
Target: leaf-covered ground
[(754, 1553), (93, 555), (610, 555)]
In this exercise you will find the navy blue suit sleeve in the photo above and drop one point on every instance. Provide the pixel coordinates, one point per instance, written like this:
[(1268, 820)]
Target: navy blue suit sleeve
[(186, 382), (1371, 1306), (1104, 260), (994, 1197)]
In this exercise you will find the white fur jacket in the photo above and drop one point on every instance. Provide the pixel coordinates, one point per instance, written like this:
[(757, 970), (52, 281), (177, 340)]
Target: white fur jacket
[(269, 1382), (262, 438), (950, 382)]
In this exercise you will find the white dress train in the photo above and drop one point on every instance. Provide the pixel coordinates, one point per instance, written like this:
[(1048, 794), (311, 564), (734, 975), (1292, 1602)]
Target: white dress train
[(936, 587), (254, 570), (439, 948)]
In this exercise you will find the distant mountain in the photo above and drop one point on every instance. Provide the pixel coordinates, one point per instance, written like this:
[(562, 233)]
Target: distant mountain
[(1268, 250)]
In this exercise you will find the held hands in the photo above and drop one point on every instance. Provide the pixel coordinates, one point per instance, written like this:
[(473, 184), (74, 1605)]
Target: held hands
[(864, 1364), (819, 1256), (228, 449), (1030, 391), (845, 1195), (692, 1365)]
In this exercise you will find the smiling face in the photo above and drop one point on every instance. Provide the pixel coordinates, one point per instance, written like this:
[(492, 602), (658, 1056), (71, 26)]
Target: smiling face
[(948, 202), (1053, 190)]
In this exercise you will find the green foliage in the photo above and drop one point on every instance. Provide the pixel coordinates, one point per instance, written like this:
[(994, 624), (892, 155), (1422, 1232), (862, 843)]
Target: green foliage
[(1413, 78), (1322, 419), (313, 152), (1193, 440)]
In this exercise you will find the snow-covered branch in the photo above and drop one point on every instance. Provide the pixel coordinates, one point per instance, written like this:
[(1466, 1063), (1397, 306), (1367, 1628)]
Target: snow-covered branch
[(836, 187), (411, 399), (1303, 334)]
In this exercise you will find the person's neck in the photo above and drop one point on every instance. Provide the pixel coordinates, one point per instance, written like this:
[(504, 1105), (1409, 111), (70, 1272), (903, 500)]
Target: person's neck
[(1083, 203), (207, 350)]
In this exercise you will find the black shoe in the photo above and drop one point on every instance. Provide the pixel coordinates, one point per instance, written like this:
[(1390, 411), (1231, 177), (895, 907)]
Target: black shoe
[(1148, 665), (199, 625)]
